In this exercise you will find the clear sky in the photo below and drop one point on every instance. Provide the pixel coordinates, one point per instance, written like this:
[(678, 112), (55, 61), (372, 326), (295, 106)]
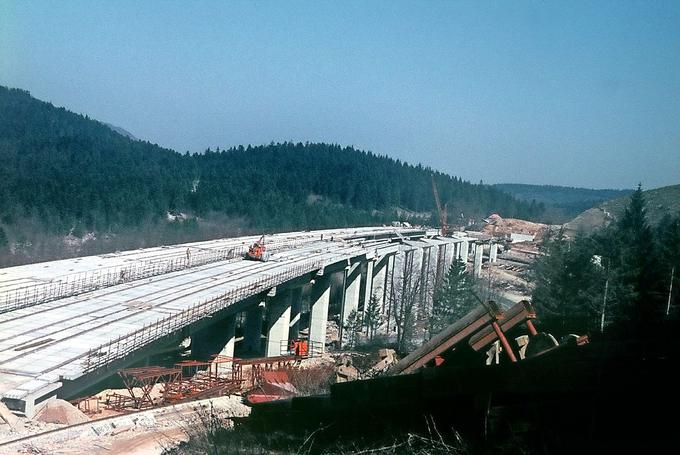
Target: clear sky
[(568, 93)]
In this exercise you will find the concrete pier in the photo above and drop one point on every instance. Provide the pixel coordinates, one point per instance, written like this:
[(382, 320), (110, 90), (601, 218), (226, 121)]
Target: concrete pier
[(229, 333), (278, 323), (493, 252), (252, 336), (479, 253), (380, 274), (295, 309), (368, 284), (352, 288), (320, 295), (463, 252)]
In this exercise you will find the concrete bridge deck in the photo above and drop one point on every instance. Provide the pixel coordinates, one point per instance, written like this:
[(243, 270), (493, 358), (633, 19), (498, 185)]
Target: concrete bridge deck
[(77, 316)]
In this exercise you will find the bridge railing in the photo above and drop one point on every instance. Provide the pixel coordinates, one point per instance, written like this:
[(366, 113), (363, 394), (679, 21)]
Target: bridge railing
[(79, 283), (124, 345)]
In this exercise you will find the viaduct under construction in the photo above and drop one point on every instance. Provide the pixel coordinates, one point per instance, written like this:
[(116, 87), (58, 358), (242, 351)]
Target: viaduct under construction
[(66, 325)]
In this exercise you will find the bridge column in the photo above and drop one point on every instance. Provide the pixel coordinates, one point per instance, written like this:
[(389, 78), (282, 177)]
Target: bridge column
[(295, 307), (352, 293), (229, 332), (320, 296), (252, 339), (479, 252), (464, 250), (424, 277), (352, 288), (440, 272), (493, 252), (389, 284), (380, 280), (278, 323), (368, 284)]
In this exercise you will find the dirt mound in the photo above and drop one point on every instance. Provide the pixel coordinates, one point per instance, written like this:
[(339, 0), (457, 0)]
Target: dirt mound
[(62, 412), (504, 227)]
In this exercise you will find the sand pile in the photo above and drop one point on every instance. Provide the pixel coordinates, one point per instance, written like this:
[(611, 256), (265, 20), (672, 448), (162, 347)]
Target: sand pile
[(62, 412)]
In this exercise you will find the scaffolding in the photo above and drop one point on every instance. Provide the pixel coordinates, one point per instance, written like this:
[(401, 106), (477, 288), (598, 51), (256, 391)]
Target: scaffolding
[(203, 380), (140, 383)]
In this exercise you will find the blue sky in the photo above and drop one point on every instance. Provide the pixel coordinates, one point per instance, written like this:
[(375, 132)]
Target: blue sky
[(568, 93)]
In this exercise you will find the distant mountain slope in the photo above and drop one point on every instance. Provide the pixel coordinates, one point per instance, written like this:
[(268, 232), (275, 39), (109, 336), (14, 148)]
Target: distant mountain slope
[(660, 202), (562, 203), (64, 173)]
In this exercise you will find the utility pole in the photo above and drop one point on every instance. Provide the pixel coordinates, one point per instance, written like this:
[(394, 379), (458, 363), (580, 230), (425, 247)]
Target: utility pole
[(604, 300), (670, 292)]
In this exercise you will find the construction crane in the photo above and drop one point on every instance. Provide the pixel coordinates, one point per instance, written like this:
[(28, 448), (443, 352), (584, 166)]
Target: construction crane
[(258, 251), (445, 230)]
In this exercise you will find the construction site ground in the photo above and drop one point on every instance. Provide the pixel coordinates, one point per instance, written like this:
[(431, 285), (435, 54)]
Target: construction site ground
[(145, 432), (93, 427)]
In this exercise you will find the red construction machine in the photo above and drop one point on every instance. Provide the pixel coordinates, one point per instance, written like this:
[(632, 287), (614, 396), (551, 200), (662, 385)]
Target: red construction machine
[(258, 251)]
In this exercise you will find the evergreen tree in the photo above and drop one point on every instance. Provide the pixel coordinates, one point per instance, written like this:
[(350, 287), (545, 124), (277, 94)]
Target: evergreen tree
[(668, 236), (631, 246), (569, 285), (352, 328), (454, 299), (372, 317)]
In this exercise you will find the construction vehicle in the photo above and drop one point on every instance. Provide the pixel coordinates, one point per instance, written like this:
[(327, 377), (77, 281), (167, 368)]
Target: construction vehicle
[(258, 251), (444, 229)]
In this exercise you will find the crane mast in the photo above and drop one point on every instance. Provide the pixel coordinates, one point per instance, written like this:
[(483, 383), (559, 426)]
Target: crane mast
[(444, 229)]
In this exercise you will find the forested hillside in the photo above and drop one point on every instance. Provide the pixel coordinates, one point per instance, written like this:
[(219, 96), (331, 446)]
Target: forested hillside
[(65, 175), (662, 203), (562, 203)]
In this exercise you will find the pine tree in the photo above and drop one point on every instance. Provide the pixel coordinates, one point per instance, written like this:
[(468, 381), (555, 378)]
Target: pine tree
[(569, 285), (372, 317), (352, 328), (633, 264), (454, 299), (668, 246)]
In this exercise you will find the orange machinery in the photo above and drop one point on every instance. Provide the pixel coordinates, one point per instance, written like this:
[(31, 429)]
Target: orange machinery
[(258, 251)]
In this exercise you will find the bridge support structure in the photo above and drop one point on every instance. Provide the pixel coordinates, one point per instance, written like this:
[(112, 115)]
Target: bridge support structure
[(320, 295), (479, 253), (295, 312), (493, 252), (463, 252), (252, 334), (278, 322)]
